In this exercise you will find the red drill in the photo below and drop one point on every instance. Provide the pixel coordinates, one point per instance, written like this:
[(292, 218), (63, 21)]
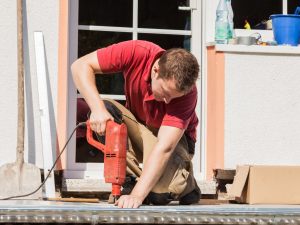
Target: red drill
[(114, 154)]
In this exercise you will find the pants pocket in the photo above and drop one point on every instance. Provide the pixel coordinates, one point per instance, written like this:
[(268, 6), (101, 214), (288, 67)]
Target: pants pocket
[(179, 181)]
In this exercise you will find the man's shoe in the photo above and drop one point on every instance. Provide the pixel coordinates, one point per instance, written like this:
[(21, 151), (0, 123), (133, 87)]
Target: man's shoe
[(191, 198), (159, 198)]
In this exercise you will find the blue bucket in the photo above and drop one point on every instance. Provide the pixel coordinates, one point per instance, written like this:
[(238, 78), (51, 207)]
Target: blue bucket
[(286, 29)]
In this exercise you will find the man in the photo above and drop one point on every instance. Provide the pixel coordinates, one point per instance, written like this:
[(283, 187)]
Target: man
[(161, 97)]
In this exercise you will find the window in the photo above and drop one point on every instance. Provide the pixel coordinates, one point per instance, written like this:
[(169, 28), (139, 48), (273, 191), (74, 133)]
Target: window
[(257, 11)]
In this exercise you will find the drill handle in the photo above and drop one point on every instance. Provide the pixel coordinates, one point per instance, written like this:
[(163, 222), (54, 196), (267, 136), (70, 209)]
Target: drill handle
[(91, 140)]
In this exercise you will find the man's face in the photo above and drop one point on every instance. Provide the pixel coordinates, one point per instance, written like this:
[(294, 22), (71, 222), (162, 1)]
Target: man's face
[(164, 90)]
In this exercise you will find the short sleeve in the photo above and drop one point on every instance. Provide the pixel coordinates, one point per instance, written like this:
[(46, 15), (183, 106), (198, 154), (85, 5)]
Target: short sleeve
[(116, 57)]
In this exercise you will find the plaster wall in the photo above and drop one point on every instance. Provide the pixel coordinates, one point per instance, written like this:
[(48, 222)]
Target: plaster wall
[(38, 16), (262, 108)]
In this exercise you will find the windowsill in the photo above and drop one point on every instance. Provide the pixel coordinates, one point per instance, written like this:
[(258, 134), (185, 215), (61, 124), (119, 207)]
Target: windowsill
[(291, 50)]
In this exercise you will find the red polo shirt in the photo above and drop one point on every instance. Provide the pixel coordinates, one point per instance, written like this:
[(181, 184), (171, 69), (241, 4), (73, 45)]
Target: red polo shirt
[(135, 59)]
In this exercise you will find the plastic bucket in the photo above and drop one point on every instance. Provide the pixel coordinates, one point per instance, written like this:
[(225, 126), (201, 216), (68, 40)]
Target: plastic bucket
[(286, 29)]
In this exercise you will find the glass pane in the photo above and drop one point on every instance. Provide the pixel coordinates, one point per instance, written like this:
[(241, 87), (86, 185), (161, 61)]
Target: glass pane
[(89, 41), (110, 84), (168, 41), (254, 11), (163, 14), (292, 5), (86, 152), (105, 13)]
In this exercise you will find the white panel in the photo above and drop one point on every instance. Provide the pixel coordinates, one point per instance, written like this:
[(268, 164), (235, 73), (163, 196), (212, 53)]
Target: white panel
[(285, 6), (262, 108), (196, 49), (47, 147)]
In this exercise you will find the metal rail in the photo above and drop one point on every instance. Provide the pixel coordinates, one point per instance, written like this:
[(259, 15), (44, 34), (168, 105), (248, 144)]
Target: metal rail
[(26, 211)]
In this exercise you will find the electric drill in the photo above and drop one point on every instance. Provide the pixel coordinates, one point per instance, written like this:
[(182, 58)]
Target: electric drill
[(114, 151)]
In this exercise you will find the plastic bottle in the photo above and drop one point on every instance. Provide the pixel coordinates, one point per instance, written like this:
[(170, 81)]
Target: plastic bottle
[(222, 23), (231, 33)]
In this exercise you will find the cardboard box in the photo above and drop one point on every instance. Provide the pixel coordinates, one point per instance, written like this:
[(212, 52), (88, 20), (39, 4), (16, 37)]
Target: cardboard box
[(266, 185)]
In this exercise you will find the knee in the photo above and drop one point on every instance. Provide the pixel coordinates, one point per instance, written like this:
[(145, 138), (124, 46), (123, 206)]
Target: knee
[(159, 198)]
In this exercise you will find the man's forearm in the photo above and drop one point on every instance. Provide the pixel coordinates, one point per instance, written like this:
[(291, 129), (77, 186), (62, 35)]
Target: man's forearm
[(156, 163), (84, 79), (83, 71), (152, 171)]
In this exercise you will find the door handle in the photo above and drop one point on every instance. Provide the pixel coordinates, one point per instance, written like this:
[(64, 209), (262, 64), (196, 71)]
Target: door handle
[(193, 5), (185, 8)]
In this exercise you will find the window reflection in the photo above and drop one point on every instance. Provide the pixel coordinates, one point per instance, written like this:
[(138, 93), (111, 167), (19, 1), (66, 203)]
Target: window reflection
[(254, 11), (292, 5), (110, 84), (163, 14), (105, 13)]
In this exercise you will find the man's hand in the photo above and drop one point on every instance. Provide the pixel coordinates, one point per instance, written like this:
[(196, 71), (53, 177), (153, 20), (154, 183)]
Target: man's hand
[(98, 120), (129, 201)]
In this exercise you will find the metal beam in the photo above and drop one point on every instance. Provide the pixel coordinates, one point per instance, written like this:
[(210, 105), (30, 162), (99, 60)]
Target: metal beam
[(24, 211)]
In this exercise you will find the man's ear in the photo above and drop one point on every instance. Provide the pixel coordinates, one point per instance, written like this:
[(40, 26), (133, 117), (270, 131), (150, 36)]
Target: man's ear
[(155, 71), (156, 68)]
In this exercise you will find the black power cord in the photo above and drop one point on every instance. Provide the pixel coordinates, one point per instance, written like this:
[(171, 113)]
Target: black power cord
[(83, 124)]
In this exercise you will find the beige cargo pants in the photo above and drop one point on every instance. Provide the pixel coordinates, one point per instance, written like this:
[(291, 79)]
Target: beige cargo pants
[(178, 178)]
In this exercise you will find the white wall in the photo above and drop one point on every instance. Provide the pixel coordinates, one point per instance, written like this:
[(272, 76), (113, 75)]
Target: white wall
[(262, 108), (8, 79), (38, 16)]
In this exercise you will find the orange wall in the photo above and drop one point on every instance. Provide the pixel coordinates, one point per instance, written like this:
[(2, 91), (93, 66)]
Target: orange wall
[(62, 80), (215, 111)]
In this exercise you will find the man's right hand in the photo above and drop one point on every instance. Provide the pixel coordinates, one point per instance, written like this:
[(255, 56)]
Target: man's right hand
[(98, 120)]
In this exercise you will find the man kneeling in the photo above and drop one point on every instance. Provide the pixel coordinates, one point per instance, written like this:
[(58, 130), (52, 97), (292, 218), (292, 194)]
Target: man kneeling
[(161, 98)]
